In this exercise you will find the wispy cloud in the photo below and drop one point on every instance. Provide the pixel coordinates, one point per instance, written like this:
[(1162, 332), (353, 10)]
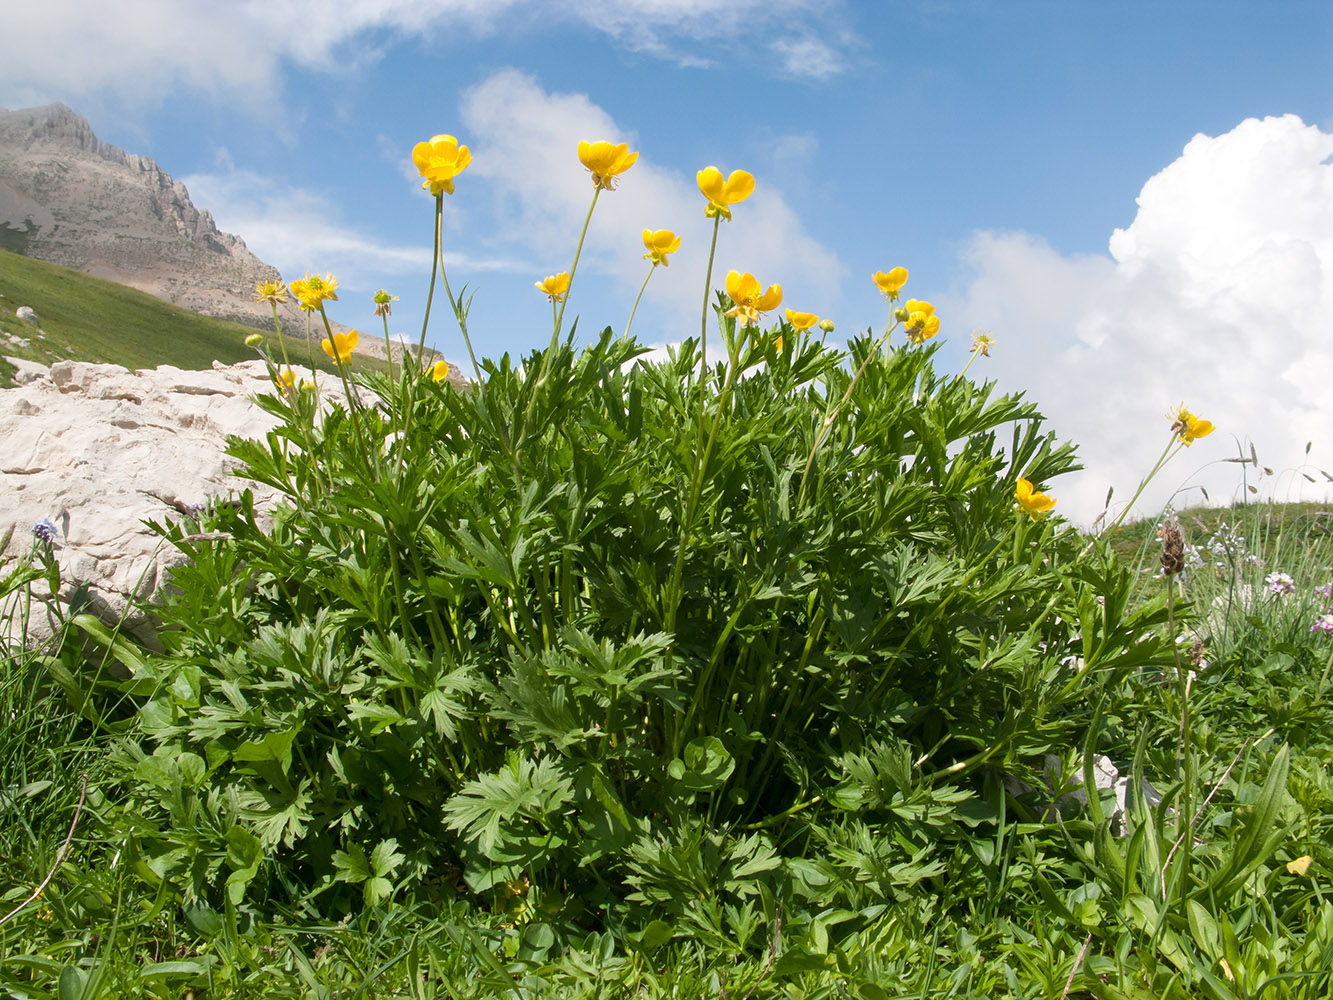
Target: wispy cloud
[(1219, 294), (236, 51), (297, 230), (542, 193)]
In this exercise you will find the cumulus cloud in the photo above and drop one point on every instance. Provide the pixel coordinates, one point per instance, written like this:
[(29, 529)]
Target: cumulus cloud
[(297, 230), (542, 194), (141, 50), (1219, 294)]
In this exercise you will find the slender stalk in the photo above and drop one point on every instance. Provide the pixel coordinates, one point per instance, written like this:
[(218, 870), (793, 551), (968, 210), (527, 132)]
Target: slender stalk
[(1167, 455), (708, 289), (459, 313), (828, 421), (277, 325), (651, 269), (434, 263), (560, 317), (388, 347), (975, 351)]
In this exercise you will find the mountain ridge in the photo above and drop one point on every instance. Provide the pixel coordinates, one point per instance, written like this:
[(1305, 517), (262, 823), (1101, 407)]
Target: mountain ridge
[(68, 198)]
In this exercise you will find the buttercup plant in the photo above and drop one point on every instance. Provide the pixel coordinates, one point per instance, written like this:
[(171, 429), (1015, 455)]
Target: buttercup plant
[(659, 243)]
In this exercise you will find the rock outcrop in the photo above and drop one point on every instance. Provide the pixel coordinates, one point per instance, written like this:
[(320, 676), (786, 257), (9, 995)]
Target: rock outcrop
[(96, 450), (70, 199)]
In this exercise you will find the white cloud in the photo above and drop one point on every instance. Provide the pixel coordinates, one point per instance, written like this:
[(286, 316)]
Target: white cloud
[(140, 51), (297, 230), (1219, 294), (542, 194)]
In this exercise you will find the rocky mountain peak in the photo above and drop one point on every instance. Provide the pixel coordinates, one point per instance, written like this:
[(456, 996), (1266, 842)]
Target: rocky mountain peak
[(71, 199)]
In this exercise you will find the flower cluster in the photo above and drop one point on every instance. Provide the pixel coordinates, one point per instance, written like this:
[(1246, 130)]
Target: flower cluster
[(1280, 583), (45, 531)]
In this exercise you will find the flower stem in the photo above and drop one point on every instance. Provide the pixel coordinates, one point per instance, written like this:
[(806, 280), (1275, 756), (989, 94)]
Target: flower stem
[(708, 288), (971, 358), (560, 317), (652, 267), (828, 421), (434, 263), (388, 347)]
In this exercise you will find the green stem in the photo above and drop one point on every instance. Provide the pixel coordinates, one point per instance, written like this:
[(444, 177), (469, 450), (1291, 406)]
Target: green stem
[(434, 263), (1167, 455), (828, 421), (388, 347), (703, 320), (651, 269), (277, 325), (973, 357), (560, 317), (459, 314)]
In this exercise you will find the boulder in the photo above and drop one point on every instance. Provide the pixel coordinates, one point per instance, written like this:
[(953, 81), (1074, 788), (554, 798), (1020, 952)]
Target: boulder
[(96, 450), (26, 313)]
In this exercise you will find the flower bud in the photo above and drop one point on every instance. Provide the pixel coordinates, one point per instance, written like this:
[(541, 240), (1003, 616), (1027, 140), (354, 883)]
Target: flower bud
[(254, 340), (826, 325)]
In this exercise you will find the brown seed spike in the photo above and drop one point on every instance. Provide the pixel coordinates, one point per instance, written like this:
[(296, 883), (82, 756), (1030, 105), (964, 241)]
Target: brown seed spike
[(1173, 547)]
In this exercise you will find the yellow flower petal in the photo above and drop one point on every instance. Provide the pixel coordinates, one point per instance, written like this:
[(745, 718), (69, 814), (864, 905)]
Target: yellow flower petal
[(554, 286), (1300, 866), (800, 320), (439, 161), (891, 282), (1035, 505), (341, 346)]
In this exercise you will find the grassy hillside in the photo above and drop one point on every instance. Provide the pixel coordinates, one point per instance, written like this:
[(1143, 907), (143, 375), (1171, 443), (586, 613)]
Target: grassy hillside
[(89, 319)]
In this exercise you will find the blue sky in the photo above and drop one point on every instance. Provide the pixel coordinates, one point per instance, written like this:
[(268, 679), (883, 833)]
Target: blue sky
[(993, 149)]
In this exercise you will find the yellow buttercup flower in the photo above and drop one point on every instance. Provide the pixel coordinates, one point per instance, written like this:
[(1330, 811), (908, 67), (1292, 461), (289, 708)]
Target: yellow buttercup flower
[(270, 291), (440, 370), (606, 160), (285, 382), (311, 290), (554, 286), (439, 161), (341, 347), (1188, 427), (922, 323), (746, 291), (891, 283), (1035, 505), (801, 321), (659, 244), (722, 194), (382, 300)]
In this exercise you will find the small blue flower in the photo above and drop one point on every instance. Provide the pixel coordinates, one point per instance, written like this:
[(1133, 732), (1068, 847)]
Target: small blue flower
[(45, 530)]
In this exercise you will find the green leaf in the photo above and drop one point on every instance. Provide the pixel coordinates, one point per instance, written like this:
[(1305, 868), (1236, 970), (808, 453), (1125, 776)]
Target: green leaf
[(706, 765)]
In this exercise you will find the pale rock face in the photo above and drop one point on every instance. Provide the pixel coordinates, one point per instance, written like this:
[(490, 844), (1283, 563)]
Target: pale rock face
[(68, 198), (25, 313), (98, 450)]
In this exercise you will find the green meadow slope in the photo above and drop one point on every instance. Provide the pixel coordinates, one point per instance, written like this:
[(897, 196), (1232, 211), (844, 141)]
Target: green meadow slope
[(84, 318)]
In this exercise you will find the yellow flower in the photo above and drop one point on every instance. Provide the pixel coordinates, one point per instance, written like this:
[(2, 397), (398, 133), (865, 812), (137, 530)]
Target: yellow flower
[(659, 244), (286, 382), (722, 194), (745, 291), (1035, 505), (439, 161), (1188, 427), (270, 291), (892, 282), (554, 286), (1300, 866), (341, 347), (311, 290), (826, 325), (606, 160), (801, 321), (382, 300), (982, 342), (440, 370), (922, 323)]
